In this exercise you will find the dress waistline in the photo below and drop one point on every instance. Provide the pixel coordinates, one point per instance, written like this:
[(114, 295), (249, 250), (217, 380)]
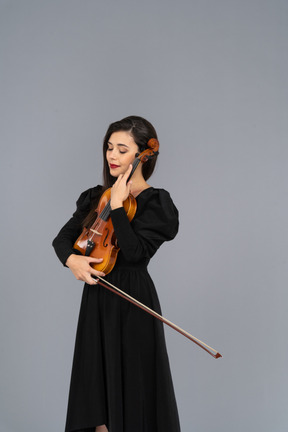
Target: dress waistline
[(131, 267)]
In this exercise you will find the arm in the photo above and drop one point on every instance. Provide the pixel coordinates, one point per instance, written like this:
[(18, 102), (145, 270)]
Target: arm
[(156, 221), (64, 241)]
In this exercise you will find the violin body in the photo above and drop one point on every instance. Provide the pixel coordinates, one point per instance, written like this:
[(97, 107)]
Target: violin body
[(99, 241)]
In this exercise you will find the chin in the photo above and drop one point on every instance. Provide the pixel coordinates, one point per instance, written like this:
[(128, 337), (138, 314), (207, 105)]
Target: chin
[(113, 174)]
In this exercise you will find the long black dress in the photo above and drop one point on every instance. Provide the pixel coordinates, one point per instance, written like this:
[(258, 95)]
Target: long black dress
[(121, 375)]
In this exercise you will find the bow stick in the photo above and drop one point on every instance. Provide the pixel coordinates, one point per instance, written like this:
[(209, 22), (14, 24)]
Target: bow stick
[(132, 300)]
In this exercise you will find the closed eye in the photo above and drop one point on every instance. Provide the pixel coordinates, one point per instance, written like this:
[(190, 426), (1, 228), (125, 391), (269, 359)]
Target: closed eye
[(111, 148)]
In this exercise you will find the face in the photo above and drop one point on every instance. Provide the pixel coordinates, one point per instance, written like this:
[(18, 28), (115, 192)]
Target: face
[(120, 152)]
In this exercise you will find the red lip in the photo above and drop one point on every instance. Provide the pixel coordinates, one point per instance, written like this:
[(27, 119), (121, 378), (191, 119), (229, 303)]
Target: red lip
[(114, 166)]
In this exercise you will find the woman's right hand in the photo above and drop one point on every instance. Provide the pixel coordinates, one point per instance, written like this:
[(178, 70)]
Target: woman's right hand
[(81, 268)]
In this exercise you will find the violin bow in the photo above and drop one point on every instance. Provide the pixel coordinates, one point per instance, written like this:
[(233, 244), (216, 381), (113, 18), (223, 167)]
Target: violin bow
[(132, 300)]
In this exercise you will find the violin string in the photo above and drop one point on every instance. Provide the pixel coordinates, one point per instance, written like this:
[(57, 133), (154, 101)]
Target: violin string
[(95, 227), (106, 211), (134, 166)]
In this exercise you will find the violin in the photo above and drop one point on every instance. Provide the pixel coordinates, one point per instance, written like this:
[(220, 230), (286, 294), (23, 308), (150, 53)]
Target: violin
[(99, 241)]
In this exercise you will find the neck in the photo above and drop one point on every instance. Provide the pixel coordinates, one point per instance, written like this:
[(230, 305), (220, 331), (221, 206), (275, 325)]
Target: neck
[(138, 182)]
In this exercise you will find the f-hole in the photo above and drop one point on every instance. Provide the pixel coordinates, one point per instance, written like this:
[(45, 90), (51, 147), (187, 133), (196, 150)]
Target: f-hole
[(104, 241)]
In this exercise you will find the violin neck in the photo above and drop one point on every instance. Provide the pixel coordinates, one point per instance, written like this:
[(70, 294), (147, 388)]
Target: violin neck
[(134, 166), (104, 215)]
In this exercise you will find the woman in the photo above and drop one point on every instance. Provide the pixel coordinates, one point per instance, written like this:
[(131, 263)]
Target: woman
[(121, 380)]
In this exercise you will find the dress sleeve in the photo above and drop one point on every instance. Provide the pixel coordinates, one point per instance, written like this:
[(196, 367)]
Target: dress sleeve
[(156, 221), (65, 239)]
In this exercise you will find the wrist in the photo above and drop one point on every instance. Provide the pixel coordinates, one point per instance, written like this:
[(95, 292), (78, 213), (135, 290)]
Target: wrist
[(70, 260), (116, 204)]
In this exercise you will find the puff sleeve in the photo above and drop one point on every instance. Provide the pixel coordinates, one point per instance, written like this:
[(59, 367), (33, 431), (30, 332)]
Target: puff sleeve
[(65, 239), (156, 221)]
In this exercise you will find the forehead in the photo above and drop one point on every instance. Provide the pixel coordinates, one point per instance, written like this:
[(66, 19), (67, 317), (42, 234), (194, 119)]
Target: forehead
[(122, 138)]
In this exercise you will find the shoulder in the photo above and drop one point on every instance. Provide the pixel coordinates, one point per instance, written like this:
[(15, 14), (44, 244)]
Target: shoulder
[(156, 207), (157, 213), (156, 196), (87, 197)]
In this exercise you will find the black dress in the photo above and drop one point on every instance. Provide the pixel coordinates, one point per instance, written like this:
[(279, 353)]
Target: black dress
[(121, 375)]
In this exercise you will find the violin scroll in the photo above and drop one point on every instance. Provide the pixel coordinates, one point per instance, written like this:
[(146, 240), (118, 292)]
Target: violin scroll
[(150, 152)]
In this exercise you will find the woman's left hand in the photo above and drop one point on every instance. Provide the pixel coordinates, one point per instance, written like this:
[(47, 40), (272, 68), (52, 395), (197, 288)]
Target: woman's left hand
[(121, 189)]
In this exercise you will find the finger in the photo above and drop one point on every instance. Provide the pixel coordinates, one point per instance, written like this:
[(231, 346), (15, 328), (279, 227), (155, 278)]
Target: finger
[(95, 260), (94, 281), (127, 173), (96, 272), (118, 179), (91, 281)]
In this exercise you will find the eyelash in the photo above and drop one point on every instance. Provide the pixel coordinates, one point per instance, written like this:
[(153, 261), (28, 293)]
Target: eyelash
[(122, 152)]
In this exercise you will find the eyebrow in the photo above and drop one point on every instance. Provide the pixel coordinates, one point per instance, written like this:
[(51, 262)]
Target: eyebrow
[(119, 144)]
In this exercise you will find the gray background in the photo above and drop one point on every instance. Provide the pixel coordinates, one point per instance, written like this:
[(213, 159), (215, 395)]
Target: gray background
[(212, 77)]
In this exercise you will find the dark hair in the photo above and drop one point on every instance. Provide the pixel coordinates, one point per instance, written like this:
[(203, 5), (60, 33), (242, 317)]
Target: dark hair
[(141, 130)]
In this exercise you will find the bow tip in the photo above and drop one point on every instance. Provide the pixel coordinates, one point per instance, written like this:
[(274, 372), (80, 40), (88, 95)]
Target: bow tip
[(218, 355)]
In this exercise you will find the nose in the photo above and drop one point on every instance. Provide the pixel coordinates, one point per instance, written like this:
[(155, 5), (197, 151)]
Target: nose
[(112, 154)]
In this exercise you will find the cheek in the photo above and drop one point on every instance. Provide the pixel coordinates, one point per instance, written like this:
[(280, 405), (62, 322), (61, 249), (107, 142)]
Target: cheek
[(131, 158), (126, 159)]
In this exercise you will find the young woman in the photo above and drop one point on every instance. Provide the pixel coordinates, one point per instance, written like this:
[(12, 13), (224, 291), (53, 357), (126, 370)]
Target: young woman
[(121, 380)]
